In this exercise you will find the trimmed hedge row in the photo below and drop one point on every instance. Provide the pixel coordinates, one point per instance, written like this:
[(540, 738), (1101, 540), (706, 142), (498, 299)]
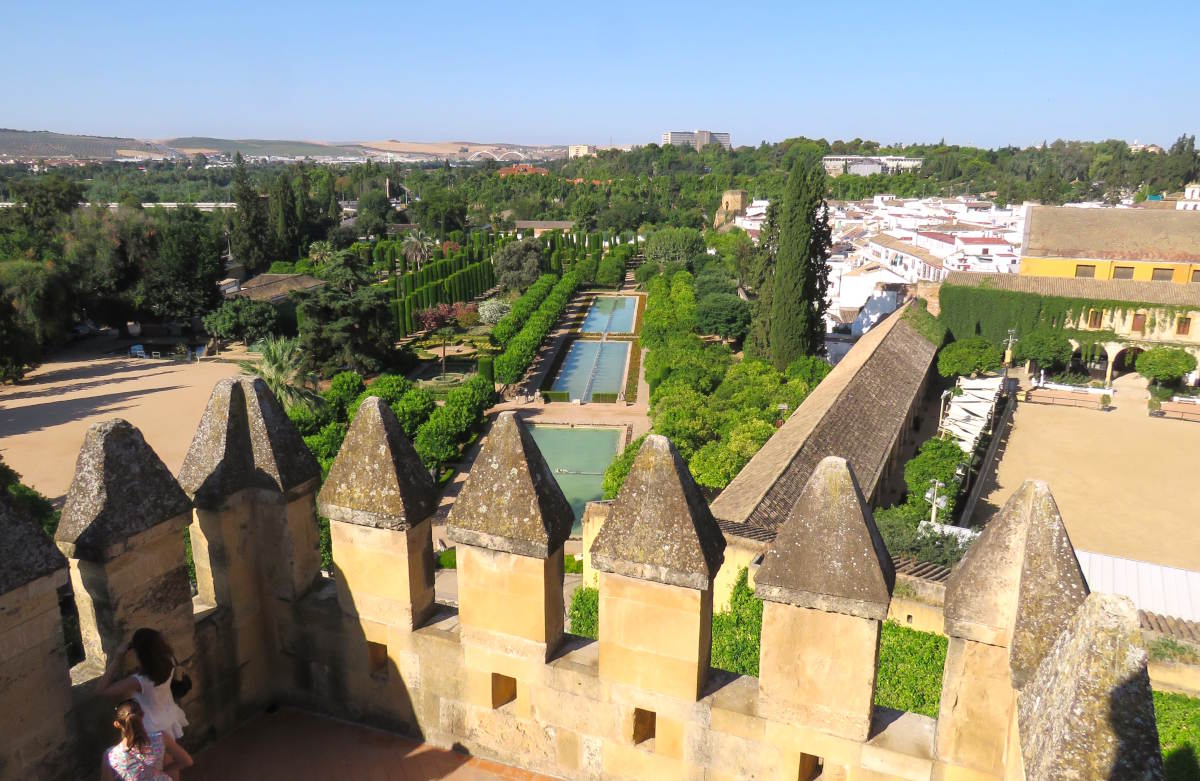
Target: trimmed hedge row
[(512, 323), (604, 398), (438, 439), (512, 363)]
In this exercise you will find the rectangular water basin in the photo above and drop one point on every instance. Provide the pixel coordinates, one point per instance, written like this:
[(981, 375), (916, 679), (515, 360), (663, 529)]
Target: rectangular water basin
[(578, 457), (610, 315), (592, 367)]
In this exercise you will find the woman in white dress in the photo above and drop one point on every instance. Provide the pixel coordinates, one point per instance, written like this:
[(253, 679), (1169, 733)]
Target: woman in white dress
[(150, 685)]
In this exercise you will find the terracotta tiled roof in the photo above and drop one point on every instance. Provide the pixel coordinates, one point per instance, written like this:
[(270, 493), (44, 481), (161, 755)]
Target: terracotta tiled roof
[(1165, 293), (899, 245), (856, 413), (1113, 234), (563, 225), (988, 240)]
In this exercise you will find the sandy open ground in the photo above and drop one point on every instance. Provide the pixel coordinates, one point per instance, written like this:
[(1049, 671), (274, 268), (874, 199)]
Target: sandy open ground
[(1127, 484), (43, 420)]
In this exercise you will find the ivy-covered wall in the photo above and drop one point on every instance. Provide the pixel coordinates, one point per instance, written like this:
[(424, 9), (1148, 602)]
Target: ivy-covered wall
[(987, 312)]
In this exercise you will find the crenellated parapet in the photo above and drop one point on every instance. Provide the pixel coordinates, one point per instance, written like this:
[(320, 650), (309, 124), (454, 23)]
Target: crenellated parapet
[(35, 682), (1007, 602), (122, 530), (1042, 681)]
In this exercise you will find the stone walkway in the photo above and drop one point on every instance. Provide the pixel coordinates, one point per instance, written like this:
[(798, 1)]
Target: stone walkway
[(291, 745), (1126, 483)]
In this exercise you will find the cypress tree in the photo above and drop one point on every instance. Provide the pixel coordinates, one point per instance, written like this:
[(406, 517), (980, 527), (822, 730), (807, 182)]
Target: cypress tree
[(801, 285)]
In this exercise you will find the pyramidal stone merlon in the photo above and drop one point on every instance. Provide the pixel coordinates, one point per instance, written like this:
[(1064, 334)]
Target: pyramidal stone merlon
[(120, 489), (245, 440), (26, 553), (1019, 583), (378, 479), (828, 554), (511, 501), (660, 527), (1088, 711)]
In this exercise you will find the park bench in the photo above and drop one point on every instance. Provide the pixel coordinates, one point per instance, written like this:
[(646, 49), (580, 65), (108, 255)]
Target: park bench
[(1064, 398)]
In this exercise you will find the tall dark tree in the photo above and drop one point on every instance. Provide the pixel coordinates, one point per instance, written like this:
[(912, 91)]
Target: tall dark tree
[(801, 285), (250, 237), (282, 219), (759, 279), (182, 281)]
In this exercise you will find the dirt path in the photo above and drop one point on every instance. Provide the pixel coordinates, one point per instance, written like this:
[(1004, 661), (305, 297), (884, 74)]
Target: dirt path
[(1126, 483)]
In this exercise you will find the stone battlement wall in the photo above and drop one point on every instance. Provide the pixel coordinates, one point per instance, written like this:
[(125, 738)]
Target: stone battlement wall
[(499, 677)]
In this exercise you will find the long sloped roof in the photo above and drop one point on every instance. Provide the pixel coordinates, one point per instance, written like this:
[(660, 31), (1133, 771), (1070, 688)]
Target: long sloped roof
[(1113, 234), (856, 413), (1133, 291)]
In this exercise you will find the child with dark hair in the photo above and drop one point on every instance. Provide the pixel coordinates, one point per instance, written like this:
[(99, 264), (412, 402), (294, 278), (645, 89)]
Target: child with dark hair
[(150, 685), (142, 755)]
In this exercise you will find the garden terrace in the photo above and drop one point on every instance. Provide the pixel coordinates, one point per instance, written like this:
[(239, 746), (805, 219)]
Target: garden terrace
[(499, 678)]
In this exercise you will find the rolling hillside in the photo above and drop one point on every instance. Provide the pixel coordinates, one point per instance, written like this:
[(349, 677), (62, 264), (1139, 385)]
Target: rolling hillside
[(43, 143)]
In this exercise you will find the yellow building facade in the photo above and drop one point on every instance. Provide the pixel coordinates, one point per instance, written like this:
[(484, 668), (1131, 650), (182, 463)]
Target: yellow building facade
[(1140, 245)]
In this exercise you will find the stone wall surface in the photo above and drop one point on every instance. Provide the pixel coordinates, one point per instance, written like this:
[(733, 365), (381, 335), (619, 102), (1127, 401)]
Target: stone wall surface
[(498, 676)]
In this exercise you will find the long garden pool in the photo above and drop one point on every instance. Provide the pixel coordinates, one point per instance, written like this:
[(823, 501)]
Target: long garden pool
[(610, 315), (578, 457), (592, 367)]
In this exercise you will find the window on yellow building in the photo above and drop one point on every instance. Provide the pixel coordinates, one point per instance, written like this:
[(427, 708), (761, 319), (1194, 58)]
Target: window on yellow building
[(1196, 275), (1139, 322), (1183, 326), (1162, 275), (1123, 272), (1085, 271), (1094, 318)]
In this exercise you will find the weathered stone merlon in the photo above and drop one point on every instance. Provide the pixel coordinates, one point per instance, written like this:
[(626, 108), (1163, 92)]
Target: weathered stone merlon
[(377, 480), (1088, 712), (511, 501), (245, 441), (120, 489), (828, 554), (26, 553), (660, 527), (1019, 583)]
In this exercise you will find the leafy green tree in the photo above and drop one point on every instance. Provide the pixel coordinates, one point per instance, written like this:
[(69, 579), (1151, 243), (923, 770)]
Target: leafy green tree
[(373, 212), (618, 470), (737, 632), (518, 264), (344, 389), (280, 368), (181, 282), (417, 248), (723, 314), (413, 409), (347, 323), (1165, 365), (250, 237), (801, 280), (27, 499), (441, 211), (1050, 349), (243, 319), (584, 612), (45, 201), (19, 346), (716, 463), (809, 368), (937, 459), (105, 251), (968, 357), (674, 246)]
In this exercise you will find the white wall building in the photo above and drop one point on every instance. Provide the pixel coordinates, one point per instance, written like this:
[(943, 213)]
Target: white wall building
[(697, 139)]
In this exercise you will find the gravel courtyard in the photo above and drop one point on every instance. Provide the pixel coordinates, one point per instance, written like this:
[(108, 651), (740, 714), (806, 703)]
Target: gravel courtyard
[(1127, 484)]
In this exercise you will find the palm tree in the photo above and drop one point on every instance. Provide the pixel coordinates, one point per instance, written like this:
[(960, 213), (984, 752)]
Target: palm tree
[(418, 246), (320, 252), (280, 370)]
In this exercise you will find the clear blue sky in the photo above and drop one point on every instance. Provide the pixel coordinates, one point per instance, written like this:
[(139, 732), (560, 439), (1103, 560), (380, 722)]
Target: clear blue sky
[(571, 72)]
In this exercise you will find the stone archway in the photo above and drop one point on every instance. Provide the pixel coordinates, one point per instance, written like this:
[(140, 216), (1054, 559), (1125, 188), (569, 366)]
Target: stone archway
[(1121, 358)]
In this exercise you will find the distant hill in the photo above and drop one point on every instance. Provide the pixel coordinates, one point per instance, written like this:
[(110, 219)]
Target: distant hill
[(257, 146), (43, 143)]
